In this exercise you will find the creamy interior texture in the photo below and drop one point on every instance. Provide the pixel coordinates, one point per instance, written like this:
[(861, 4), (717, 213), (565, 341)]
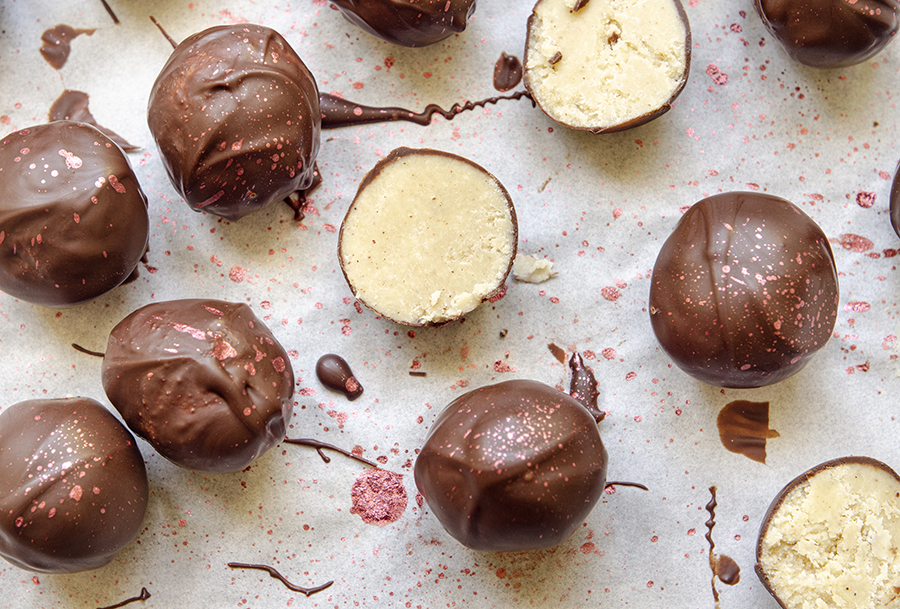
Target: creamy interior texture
[(618, 59), (833, 541), (428, 239)]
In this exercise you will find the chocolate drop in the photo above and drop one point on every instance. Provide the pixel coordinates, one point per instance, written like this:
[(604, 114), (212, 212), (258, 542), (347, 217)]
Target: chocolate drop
[(334, 372), (744, 428)]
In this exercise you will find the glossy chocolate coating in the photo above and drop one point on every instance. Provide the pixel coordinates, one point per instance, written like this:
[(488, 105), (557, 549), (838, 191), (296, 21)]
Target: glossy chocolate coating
[(73, 487), (411, 23), (203, 381), (895, 201), (830, 33), (73, 218), (744, 290), (512, 466), (235, 114)]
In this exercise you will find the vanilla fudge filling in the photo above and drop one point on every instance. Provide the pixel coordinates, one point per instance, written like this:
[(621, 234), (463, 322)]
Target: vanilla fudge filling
[(833, 540), (607, 63), (428, 237)]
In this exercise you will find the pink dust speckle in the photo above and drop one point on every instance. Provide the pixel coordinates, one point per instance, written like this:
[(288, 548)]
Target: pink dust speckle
[(865, 199), (610, 293), (501, 366), (379, 497), (631, 376), (617, 212), (857, 306), (855, 243), (237, 273), (718, 77), (609, 353)]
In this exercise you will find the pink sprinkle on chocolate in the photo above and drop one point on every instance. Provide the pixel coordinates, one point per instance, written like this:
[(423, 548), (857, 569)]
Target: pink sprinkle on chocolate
[(114, 182), (76, 493), (379, 497), (278, 364), (223, 350), (72, 161)]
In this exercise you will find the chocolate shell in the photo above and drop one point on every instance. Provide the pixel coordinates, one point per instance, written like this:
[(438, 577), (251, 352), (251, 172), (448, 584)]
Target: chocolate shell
[(895, 201), (203, 381), (73, 487), (235, 114), (410, 23), (512, 466)]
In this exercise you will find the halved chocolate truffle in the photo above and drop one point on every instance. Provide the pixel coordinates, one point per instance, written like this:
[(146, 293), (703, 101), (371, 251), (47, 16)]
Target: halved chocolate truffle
[(203, 381), (605, 66), (429, 237), (73, 487), (411, 23), (235, 114), (830, 538), (744, 291), (73, 218), (830, 33), (512, 466)]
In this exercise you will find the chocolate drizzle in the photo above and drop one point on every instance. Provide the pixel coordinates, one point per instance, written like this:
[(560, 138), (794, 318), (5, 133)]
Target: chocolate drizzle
[(116, 21), (334, 372), (275, 574), (722, 566), (78, 347), (584, 386), (507, 72), (337, 112), (744, 428), (58, 43), (73, 106), (323, 445), (144, 595)]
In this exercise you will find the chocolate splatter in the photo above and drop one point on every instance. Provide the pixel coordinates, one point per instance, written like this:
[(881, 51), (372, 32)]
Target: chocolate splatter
[(58, 44), (144, 595), (379, 497), (334, 372), (584, 386), (557, 352), (110, 11), (275, 574), (319, 446), (507, 72), (744, 428), (73, 106), (722, 566)]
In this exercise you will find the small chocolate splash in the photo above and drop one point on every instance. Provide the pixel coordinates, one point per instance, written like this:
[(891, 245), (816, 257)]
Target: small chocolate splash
[(334, 372), (73, 106), (164, 33), (297, 201), (580, 4), (337, 112), (58, 43), (507, 72), (557, 352), (584, 386), (610, 485), (275, 574), (323, 445), (379, 497), (557, 57), (88, 351), (110, 11), (722, 566), (144, 595), (728, 571), (744, 428)]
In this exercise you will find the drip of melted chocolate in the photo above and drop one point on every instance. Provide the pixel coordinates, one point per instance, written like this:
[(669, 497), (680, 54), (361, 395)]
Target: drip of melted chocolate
[(337, 112), (73, 106), (507, 72), (58, 43), (584, 386), (144, 595), (319, 446), (722, 566), (275, 574), (334, 372), (744, 428)]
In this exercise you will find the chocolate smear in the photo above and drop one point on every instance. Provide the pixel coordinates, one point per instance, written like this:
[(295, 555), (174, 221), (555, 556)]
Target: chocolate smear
[(73, 106), (557, 352), (334, 372), (379, 497), (144, 595), (275, 574), (584, 386), (507, 72), (744, 428), (338, 112), (58, 43), (319, 446)]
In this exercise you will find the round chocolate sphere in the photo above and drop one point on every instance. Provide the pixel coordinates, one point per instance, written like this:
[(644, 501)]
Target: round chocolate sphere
[(73, 487), (416, 23), (235, 114), (73, 218), (203, 381), (830, 33), (744, 291), (512, 466)]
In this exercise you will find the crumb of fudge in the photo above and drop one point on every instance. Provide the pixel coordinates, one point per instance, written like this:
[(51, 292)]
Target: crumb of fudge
[(532, 270)]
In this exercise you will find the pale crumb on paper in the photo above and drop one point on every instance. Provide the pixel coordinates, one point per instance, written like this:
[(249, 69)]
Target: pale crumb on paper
[(532, 270)]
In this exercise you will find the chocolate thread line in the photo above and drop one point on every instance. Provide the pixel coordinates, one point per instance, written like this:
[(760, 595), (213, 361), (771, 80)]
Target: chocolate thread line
[(144, 595), (711, 508), (158, 25), (110, 11), (275, 574), (78, 347), (320, 445), (632, 484)]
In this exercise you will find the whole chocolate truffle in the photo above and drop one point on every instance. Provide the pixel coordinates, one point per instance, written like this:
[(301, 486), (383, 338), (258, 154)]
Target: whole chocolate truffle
[(744, 290), (411, 23), (73, 218), (512, 466), (235, 114), (830, 33), (73, 487), (203, 381)]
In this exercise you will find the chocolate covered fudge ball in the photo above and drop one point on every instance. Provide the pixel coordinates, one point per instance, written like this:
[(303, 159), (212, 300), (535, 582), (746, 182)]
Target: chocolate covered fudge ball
[(411, 23), (830, 537), (744, 291), (203, 381), (73, 487), (512, 466), (429, 237), (605, 66), (830, 33), (235, 114), (73, 218)]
